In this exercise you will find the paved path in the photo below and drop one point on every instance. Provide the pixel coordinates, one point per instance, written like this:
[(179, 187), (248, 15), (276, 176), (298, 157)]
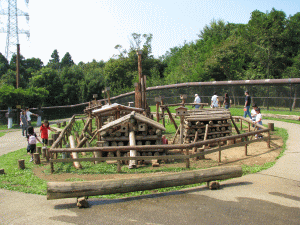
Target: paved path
[(269, 197)]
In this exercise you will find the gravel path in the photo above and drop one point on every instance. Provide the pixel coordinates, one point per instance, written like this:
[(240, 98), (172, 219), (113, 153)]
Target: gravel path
[(269, 197)]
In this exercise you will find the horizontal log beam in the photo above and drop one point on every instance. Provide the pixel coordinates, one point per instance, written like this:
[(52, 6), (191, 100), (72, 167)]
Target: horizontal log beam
[(165, 147), (206, 152), (58, 190)]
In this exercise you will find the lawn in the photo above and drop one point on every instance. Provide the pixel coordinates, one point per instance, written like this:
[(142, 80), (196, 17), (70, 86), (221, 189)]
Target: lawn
[(26, 181)]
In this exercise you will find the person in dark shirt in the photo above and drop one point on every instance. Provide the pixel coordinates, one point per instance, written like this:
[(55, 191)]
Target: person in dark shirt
[(226, 101), (247, 105)]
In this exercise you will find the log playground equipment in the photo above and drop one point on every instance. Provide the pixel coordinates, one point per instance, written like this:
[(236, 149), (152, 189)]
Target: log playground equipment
[(130, 136)]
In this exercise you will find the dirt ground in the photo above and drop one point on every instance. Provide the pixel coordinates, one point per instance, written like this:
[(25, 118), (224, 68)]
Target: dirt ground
[(258, 154)]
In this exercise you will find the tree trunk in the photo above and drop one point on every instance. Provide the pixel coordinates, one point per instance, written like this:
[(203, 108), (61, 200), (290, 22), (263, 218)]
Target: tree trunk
[(57, 190)]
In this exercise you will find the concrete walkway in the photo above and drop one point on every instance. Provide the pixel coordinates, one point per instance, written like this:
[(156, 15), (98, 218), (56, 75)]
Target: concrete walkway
[(269, 197)]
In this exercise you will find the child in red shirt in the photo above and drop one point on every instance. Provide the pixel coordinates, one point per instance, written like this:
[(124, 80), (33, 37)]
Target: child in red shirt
[(44, 131)]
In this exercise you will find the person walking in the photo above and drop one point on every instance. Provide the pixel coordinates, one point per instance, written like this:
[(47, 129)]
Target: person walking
[(31, 139), (24, 123), (44, 131), (247, 105), (28, 114), (197, 100), (226, 101), (214, 101)]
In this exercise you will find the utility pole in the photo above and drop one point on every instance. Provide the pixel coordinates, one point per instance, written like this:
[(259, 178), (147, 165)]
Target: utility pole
[(140, 97), (18, 66)]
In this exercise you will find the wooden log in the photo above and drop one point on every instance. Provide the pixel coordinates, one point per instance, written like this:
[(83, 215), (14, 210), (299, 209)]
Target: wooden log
[(21, 163), (271, 126), (114, 143), (171, 118), (63, 124), (2, 171), (97, 154), (58, 190), (82, 202), (119, 162), (177, 131), (44, 152), (205, 138), (213, 185), (235, 126), (58, 124), (50, 142), (132, 163), (74, 155), (38, 149), (36, 158)]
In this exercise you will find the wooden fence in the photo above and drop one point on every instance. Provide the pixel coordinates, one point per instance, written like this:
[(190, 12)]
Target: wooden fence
[(245, 140)]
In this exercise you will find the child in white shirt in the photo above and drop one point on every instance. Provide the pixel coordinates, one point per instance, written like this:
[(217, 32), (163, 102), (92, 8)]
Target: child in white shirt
[(258, 120)]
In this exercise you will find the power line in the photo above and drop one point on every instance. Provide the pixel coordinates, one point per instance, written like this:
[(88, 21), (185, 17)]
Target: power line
[(12, 39)]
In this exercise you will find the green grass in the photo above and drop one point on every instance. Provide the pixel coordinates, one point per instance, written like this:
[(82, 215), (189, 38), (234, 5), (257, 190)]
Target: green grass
[(2, 134), (26, 181), (20, 180)]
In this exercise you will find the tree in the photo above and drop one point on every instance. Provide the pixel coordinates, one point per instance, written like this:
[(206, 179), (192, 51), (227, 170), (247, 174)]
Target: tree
[(54, 62), (49, 79), (66, 61), (4, 66)]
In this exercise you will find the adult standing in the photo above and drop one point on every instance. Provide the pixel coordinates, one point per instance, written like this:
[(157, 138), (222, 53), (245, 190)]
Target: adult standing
[(28, 114), (247, 105), (214, 101), (197, 100), (24, 123), (226, 101)]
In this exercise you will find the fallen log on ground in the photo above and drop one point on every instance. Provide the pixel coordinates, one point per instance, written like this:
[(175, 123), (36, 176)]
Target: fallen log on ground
[(58, 190)]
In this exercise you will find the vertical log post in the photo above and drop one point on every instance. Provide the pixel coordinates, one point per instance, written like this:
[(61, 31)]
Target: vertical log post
[(220, 152), (21, 163), (249, 126), (246, 147), (269, 140), (163, 111), (241, 124), (157, 111), (181, 129), (39, 149), (271, 126), (77, 165), (47, 155), (51, 164), (44, 152), (119, 162), (187, 160), (36, 157), (132, 163)]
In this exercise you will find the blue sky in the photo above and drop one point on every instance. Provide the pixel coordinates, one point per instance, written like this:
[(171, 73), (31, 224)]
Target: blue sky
[(90, 29)]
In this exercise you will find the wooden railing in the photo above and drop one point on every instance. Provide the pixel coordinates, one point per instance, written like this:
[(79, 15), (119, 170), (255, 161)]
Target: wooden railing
[(246, 139)]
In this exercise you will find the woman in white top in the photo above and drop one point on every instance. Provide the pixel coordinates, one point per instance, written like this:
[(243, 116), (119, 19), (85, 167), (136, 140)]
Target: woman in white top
[(214, 101)]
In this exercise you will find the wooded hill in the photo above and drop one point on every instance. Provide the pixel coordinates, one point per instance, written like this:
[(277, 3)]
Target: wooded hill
[(266, 47)]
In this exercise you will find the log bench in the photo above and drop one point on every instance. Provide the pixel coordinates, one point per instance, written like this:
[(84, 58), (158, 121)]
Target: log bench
[(59, 190)]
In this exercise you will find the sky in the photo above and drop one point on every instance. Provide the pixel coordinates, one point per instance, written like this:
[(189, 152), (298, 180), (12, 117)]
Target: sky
[(91, 29)]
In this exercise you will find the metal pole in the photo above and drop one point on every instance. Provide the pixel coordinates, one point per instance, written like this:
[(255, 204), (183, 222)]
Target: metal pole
[(18, 66)]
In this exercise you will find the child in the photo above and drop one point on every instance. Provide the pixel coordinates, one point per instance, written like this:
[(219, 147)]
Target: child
[(44, 131), (31, 138), (258, 120), (253, 112)]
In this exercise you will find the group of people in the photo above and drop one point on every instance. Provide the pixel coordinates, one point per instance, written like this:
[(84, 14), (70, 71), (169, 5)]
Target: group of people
[(25, 120), (28, 131), (214, 101), (255, 114)]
